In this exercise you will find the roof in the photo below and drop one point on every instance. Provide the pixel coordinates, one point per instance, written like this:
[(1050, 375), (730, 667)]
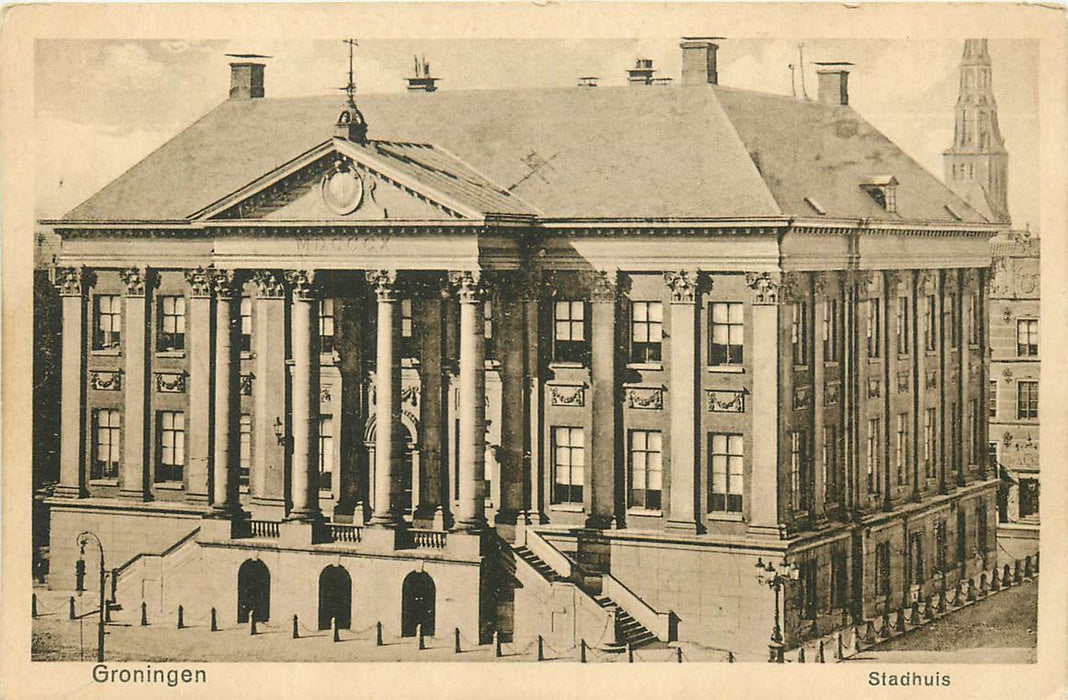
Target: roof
[(606, 152)]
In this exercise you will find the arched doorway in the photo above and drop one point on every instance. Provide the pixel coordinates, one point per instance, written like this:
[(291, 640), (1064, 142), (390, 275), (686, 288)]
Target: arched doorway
[(335, 597), (253, 591), (417, 604), (406, 486)]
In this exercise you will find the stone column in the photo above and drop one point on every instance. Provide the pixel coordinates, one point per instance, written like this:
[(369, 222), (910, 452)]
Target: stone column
[(135, 464), (267, 480), (199, 348), (604, 443), (470, 513), (387, 399), (304, 471), (71, 282), (682, 395), (224, 501), (764, 472)]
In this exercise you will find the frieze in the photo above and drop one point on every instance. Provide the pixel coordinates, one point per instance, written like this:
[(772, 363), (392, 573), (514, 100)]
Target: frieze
[(573, 395), (245, 384), (170, 382), (647, 398), (874, 388), (103, 380), (725, 400), (831, 392), (802, 397)]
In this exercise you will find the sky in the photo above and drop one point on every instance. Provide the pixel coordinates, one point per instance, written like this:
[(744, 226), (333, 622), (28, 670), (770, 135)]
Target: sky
[(101, 105)]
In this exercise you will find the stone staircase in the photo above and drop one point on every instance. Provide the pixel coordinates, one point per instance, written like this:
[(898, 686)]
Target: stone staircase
[(538, 564), (628, 630)]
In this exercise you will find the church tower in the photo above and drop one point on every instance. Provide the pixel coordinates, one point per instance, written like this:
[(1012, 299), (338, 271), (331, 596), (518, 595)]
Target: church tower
[(977, 162)]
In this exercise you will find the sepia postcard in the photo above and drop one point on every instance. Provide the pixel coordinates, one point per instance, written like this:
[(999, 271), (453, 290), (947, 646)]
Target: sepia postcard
[(535, 350)]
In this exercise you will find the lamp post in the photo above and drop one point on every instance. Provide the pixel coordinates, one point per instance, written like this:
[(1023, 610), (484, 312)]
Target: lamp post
[(775, 579), (81, 540)]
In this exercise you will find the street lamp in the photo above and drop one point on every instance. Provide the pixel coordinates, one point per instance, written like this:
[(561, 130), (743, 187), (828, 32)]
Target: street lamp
[(775, 579), (81, 540)]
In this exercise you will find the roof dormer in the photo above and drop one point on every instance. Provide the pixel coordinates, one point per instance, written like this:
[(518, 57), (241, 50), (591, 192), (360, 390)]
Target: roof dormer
[(883, 189)]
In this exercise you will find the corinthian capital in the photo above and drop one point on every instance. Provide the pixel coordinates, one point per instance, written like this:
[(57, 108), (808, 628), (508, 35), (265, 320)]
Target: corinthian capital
[(468, 284), (302, 282), (199, 280), (71, 281), (136, 280), (268, 284), (683, 286), (224, 284), (384, 282), (765, 286)]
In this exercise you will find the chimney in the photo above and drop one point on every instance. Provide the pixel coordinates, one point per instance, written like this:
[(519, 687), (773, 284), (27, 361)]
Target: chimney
[(641, 73), (833, 82), (699, 60), (246, 77), (421, 81)]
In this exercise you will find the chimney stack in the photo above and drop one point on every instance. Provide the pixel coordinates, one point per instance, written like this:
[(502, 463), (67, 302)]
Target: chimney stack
[(246, 77), (699, 60), (833, 82), (422, 81), (641, 73)]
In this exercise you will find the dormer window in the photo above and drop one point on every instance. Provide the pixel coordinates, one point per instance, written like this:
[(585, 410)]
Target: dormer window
[(883, 189)]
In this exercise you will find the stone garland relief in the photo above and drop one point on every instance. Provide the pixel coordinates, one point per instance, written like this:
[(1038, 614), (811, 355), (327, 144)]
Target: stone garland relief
[(831, 392), (931, 379), (903, 381), (802, 397), (105, 380), (567, 395), (649, 398), (246, 384), (170, 382), (874, 389), (725, 400)]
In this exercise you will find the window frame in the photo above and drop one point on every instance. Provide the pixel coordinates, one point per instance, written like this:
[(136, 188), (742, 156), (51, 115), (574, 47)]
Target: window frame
[(1029, 348), (244, 450), (326, 451), (831, 335), (731, 464), (930, 323), (1026, 406), (570, 350), (573, 497), (799, 333), (327, 324), (244, 340), (873, 443), (646, 351), (106, 469), (167, 471), (173, 340), (874, 330), (903, 329), (723, 354), (110, 339), (645, 502)]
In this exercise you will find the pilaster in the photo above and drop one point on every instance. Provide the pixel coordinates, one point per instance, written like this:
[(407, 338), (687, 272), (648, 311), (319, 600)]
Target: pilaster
[(604, 443), (136, 468), (470, 513), (71, 283), (269, 392), (304, 401), (387, 399), (199, 346), (764, 497), (682, 395)]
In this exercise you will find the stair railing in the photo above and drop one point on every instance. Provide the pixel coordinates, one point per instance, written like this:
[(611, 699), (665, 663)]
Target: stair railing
[(656, 622)]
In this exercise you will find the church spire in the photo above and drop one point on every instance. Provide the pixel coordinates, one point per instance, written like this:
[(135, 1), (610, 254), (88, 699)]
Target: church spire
[(976, 165)]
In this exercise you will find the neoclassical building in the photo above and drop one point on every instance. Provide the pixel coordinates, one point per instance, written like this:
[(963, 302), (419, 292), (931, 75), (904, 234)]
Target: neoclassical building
[(562, 361)]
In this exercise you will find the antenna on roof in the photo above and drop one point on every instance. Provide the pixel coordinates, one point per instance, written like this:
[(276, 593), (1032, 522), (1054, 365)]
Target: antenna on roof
[(350, 88), (793, 79), (801, 68)]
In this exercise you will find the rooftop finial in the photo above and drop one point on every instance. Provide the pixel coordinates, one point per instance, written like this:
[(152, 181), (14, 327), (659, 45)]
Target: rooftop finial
[(350, 123)]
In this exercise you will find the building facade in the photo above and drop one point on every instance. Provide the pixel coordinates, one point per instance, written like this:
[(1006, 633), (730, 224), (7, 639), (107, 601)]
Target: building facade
[(565, 362)]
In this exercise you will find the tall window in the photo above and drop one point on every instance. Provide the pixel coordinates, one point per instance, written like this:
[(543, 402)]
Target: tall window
[(646, 330), (839, 581), (953, 447), (799, 470), (727, 333), (800, 332), (569, 461), (569, 331), (874, 482), (941, 545), (171, 334), (326, 325), (992, 454), (992, 399), (882, 569), (973, 319), (975, 431), (953, 311), (1026, 400), (962, 533), (902, 325), (487, 329), (901, 448), (930, 423), (1028, 497), (725, 486), (807, 595), (326, 451), (874, 327), (645, 469), (246, 325), (1027, 337), (108, 323), (830, 331), (244, 454), (980, 528), (930, 323), (170, 426), (407, 325), (916, 557), (107, 428), (830, 462)]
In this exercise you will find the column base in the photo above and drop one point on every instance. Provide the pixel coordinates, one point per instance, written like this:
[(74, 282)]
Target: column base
[(138, 495), (471, 526), (387, 520), (685, 526), (304, 515), (213, 527), (440, 519), (597, 521), (776, 531), (67, 491), (194, 497)]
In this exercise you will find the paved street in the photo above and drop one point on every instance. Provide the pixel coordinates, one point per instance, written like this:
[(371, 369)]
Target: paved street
[(1001, 629)]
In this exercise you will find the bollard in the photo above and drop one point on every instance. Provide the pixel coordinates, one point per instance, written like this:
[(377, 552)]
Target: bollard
[(995, 584), (335, 632), (983, 590), (838, 650), (541, 648), (582, 651), (251, 622), (34, 608), (899, 623), (456, 640), (296, 630), (678, 654), (730, 657), (856, 640), (144, 614), (957, 602), (72, 607), (801, 655), (1016, 574), (421, 643), (1028, 573), (1006, 577), (630, 653), (1036, 562), (215, 621), (942, 600), (819, 654), (928, 607), (496, 644), (884, 627), (914, 613), (378, 634), (971, 590), (181, 617), (869, 632)]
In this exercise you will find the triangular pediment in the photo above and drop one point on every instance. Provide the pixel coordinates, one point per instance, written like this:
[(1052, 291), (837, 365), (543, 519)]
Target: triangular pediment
[(374, 181)]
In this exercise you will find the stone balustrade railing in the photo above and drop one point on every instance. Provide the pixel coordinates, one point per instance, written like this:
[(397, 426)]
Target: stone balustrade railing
[(263, 528), (344, 532)]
